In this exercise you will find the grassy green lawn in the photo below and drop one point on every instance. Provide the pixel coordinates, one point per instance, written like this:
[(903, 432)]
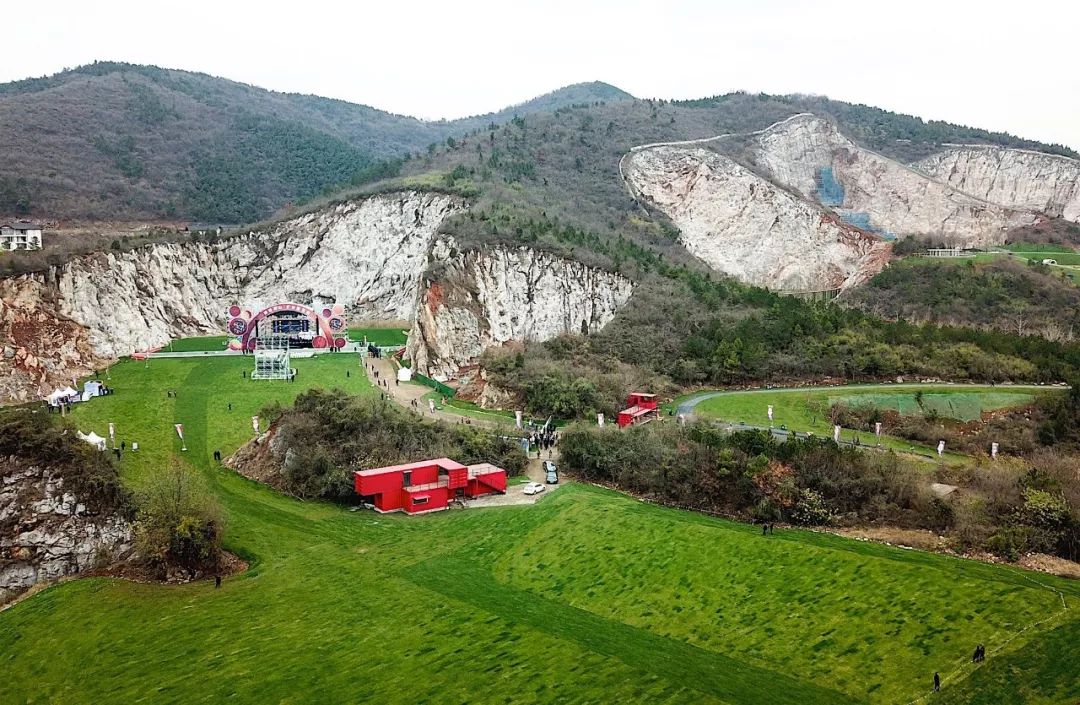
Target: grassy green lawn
[(801, 409), (199, 344), (586, 597), (1027, 247), (379, 336)]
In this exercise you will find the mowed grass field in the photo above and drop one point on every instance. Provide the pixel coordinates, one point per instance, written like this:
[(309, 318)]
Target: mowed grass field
[(380, 336), (587, 597), (804, 409)]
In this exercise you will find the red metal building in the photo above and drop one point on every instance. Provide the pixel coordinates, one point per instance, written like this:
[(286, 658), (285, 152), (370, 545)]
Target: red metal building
[(427, 486), (641, 408)]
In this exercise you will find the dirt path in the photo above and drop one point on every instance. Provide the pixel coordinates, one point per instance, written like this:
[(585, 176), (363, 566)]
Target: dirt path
[(405, 393)]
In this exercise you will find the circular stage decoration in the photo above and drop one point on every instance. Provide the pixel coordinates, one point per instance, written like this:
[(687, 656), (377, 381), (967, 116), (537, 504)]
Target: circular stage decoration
[(337, 324), (326, 313), (339, 309), (238, 326), (319, 342), (234, 310), (339, 343), (235, 345)]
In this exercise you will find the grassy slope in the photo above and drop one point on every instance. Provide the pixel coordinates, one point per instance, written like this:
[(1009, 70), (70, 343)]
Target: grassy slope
[(379, 336), (796, 408), (587, 597)]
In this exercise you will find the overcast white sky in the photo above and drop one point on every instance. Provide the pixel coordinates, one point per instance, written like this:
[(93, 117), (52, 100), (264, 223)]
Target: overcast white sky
[(999, 65)]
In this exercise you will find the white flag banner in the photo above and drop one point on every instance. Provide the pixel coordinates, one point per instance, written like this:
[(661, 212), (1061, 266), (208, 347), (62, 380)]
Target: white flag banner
[(682, 419), (836, 433), (993, 450), (517, 418), (600, 420), (255, 424), (112, 433), (431, 405), (179, 430), (770, 412), (877, 429), (941, 448)]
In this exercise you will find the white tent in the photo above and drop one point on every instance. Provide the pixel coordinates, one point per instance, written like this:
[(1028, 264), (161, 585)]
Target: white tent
[(55, 397), (93, 439), (91, 389), (404, 374)]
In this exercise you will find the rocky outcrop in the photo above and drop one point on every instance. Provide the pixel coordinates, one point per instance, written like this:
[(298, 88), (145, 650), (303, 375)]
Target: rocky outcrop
[(742, 225), (475, 300), (367, 254), (810, 155), (41, 349), (1015, 178), (47, 533)]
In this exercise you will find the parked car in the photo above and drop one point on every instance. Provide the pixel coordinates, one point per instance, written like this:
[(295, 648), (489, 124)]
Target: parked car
[(534, 488), (551, 474)]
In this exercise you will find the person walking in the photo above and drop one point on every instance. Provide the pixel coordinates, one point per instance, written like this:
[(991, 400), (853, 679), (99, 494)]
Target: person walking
[(217, 582), (937, 682), (123, 445)]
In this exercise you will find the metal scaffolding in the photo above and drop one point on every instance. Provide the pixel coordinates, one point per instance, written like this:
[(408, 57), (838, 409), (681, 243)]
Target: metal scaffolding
[(272, 358)]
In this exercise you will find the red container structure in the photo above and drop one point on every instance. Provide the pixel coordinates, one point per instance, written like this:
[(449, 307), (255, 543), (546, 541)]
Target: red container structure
[(641, 408), (427, 486)]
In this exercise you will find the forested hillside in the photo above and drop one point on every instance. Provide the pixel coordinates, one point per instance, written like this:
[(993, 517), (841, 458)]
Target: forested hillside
[(120, 141), (1004, 294)]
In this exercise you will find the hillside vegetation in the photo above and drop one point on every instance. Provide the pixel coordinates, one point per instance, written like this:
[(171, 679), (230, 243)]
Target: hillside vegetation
[(122, 141), (1002, 294)]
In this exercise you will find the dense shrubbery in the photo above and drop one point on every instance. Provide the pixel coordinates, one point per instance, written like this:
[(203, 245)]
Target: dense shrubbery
[(1005, 295), (43, 439), (1008, 506), (688, 330), (179, 523), (328, 435)]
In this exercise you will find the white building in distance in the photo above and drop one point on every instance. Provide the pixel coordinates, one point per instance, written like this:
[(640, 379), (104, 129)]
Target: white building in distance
[(20, 236)]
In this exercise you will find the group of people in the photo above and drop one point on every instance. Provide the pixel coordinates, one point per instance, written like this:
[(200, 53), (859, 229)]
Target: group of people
[(978, 657), (544, 439), (118, 451)]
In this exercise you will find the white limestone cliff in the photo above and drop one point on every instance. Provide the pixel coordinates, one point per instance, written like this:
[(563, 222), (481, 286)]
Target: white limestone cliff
[(46, 532), (742, 225), (1016, 178), (369, 254), (895, 198), (481, 299), (366, 254)]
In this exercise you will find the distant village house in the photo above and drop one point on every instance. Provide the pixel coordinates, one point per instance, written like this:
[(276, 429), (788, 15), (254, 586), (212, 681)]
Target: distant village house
[(15, 235)]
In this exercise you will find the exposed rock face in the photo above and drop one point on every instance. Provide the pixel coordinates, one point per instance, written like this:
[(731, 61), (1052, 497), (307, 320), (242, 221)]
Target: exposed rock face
[(47, 533), (367, 254), (803, 151), (40, 348), (742, 225), (478, 300), (1016, 178)]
